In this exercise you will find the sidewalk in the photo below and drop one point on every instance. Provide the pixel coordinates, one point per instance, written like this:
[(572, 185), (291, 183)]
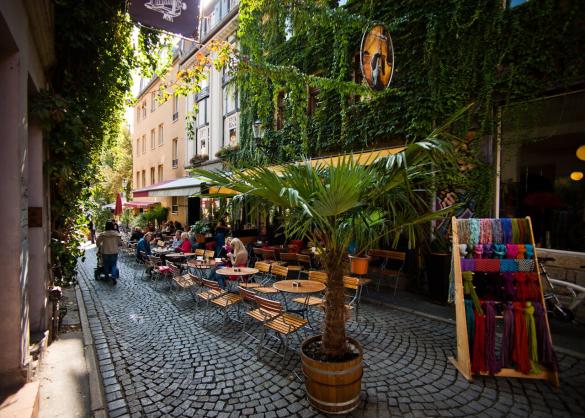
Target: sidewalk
[(66, 379)]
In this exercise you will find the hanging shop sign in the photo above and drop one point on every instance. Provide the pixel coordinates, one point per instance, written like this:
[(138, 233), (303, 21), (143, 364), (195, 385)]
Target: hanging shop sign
[(175, 16), (377, 57)]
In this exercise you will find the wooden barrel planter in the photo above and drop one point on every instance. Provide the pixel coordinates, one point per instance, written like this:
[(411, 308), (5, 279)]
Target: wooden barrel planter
[(333, 388), (359, 265)]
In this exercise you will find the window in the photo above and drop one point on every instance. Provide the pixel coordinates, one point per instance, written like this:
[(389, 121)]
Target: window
[(137, 179), (175, 205), (144, 144), (175, 152), (175, 107), (229, 99), (152, 139), (160, 173), (144, 110), (137, 113), (160, 134), (137, 146), (143, 178), (152, 101), (202, 112), (152, 180)]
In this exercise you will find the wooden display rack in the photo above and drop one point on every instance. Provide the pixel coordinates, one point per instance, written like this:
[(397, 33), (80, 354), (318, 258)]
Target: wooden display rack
[(463, 359)]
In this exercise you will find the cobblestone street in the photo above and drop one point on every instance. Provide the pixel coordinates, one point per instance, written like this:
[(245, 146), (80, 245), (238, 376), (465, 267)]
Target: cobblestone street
[(158, 358)]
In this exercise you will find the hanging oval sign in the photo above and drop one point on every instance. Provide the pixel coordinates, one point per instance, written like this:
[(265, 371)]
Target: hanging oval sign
[(377, 57)]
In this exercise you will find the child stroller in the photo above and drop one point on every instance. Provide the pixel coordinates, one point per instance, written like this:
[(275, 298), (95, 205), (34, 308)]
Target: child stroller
[(99, 273)]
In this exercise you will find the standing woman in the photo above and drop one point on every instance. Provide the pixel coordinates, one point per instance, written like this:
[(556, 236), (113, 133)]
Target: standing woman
[(221, 230)]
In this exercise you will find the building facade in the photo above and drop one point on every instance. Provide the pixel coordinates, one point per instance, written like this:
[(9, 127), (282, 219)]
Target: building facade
[(194, 129), (26, 52), (159, 144)]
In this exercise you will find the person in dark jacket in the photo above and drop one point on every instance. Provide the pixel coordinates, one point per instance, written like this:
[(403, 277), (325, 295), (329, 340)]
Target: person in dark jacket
[(143, 246)]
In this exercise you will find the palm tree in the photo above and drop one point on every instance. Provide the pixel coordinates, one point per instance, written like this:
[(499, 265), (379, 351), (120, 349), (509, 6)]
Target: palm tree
[(324, 203)]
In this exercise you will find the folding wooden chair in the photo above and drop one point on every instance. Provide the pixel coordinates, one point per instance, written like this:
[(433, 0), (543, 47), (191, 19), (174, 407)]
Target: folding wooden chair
[(282, 323), (354, 287), (392, 263), (319, 276), (263, 277), (305, 262), (209, 254), (199, 252), (268, 255), (291, 262)]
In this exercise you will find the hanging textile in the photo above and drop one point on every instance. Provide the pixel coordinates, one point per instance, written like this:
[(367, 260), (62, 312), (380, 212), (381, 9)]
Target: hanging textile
[(468, 289), (520, 353), (546, 354), (507, 230), (507, 336), (532, 339), (521, 286), (493, 366), (478, 363), (470, 319), (499, 250), (509, 289)]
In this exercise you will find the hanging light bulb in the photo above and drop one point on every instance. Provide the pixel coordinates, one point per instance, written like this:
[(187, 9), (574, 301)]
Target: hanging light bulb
[(581, 153), (576, 175)]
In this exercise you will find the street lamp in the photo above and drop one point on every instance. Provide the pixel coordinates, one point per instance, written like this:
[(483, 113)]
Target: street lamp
[(258, 129)]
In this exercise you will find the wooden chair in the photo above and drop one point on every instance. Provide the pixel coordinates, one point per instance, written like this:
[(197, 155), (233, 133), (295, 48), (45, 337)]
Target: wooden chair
[(319, 276), (305, 262), (209, 254), (392, 263), (175, 272), (354, 287), (268, 254), (279, 272), (282, 323), (291, 262), (249, 302), (263, 276), (151, 265), (212, 292), (199, 252)]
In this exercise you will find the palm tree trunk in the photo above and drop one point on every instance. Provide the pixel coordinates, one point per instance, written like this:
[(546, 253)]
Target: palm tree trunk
[(333, 342)]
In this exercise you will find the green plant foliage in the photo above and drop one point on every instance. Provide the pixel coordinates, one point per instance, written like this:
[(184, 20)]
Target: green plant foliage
[(448, 54), (82, 108)]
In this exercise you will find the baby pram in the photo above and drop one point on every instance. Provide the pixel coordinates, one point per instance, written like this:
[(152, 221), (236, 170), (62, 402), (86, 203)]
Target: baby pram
[(99, 273)]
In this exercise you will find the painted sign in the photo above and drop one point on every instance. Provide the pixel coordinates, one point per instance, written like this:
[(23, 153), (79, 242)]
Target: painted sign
[(377, 57), (175, 16)]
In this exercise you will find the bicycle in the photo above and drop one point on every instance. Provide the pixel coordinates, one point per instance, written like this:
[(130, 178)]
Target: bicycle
[(562, 298)]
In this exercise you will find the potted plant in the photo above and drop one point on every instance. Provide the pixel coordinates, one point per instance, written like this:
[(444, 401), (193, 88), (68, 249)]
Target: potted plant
[(326, 205), (200, 228), (366, 229)]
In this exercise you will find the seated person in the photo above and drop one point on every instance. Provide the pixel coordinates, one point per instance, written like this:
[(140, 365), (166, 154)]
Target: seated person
[(136, 234), (238, 258), (185, 246), (226, 249), (143, 246), (177, 241)]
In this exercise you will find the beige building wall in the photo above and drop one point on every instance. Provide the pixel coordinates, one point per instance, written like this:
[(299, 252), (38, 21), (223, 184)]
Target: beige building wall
[(155, 161)]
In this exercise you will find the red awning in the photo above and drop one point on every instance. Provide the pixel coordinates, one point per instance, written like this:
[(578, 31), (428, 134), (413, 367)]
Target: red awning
[(135, 204)]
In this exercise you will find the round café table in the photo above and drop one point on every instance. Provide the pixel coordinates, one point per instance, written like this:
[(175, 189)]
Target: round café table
[(305, 287), (200, 266), (242, 271)]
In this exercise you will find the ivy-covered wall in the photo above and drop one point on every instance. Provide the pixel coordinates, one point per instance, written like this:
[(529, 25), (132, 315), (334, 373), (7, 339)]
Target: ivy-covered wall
[(448, 54)]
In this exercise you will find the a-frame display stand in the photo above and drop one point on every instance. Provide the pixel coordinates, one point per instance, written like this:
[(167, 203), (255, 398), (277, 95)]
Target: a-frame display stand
[(463, 359)]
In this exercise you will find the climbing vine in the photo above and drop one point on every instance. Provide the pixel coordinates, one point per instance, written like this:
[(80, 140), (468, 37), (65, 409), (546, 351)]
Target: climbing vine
[(82, 108), (448, 54)]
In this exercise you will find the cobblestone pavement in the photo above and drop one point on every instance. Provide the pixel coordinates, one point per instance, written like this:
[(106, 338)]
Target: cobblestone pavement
[(158, 358)]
